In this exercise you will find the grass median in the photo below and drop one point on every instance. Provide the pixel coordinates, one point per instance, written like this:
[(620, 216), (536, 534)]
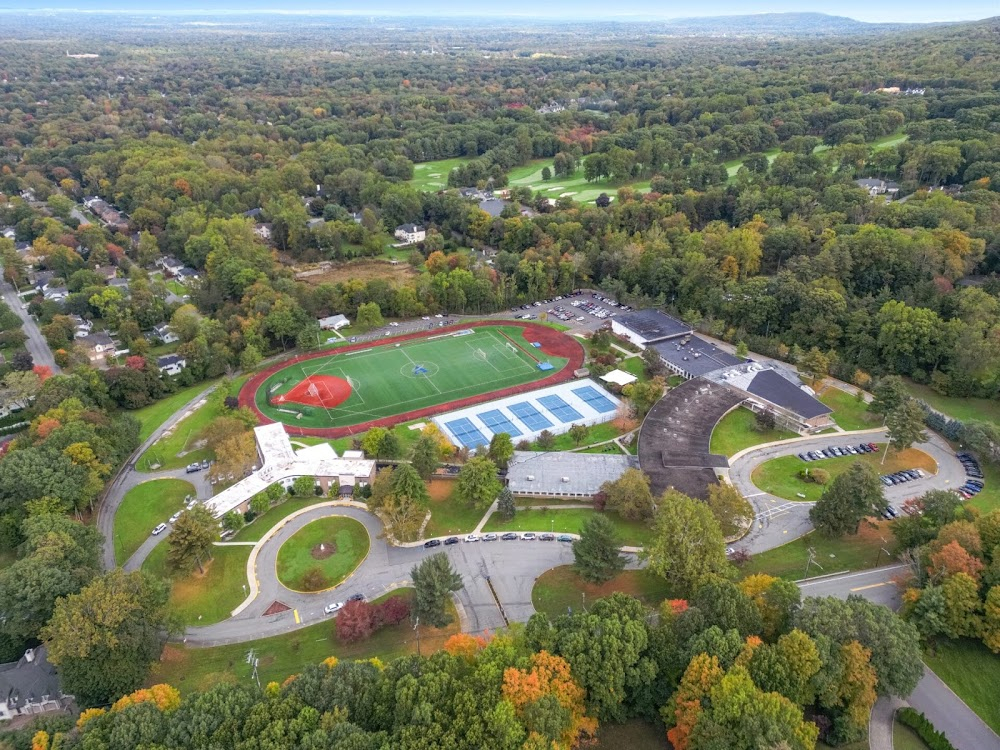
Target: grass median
[(780, 476), (560, 589), (856, 552), (143, 507), (322, 553), (209, 597)]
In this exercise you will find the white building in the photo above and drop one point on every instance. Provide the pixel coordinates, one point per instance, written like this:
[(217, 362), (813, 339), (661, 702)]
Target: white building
[(279, 462), (410, 233), (164, 334), (171, 364), (333, 322)]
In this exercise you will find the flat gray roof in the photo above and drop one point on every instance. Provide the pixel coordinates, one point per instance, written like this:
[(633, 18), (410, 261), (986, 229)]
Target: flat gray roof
[(653, 325), (697, 357), (543, 473)]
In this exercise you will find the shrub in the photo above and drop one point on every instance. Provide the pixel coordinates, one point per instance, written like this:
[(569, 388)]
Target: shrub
[(925, 730), (314, 580), (820, 476)]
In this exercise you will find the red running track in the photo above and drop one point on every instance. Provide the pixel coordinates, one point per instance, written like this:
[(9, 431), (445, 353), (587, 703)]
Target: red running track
[(554, 343)]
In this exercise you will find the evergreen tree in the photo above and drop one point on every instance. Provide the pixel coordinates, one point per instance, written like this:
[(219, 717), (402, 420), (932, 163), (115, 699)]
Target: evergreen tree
[(596, 552)]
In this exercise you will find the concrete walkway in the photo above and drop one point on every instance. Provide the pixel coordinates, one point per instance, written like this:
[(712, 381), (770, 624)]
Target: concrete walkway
[(880, 723)]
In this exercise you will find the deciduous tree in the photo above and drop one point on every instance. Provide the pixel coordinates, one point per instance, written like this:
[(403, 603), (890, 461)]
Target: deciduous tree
[(730, 508), (629, 495), (191, 539), (851, 497), (478, 485)]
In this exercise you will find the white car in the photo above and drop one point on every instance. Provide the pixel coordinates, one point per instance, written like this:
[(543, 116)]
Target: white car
[(528, 536), (472, 538), (332, 608), (394, 324), (160, 528), (490, 537), (174, 517)]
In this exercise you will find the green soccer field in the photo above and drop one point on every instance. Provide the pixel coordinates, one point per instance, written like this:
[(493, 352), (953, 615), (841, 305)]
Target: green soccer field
[(384, 384)]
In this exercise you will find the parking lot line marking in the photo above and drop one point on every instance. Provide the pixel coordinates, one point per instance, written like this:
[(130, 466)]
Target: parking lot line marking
[(298, 620)]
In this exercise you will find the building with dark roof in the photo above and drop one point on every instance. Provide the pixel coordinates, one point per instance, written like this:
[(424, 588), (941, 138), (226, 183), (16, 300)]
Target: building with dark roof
[(772, 388), (692, 356), (493, 206), (644, 327), (30, 686)]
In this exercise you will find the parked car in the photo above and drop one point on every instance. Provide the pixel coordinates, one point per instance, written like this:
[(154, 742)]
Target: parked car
[(565, 538), (192, 468), (432, 543), (472, 538), (546, 537), (160, 528), (174, 517), (509, 536), (329, 609), (451, 540), (490, 537), (528, 536), (356, 598)]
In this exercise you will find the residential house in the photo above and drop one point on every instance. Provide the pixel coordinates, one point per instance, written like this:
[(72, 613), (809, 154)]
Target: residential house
[(96, 346), (169, 264), (42, 279), (410, 233), (23, 248), (186, 274), (106, 272), (356, 217), (56, 293), (82, 325), (120, 284), (8, 233), (164, 334), (263, 231), (493, 206), (171, 364), (108, 214), (877, 187), (333, 322), (253, 213), (550, 109), (30, 686)]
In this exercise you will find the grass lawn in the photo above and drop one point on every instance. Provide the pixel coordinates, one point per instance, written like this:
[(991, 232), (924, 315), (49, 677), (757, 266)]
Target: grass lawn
[(779, 476), (152, 416), (197, 669), (381, 381), (561, 587), (634, 735), (143, 507), (432, 176), (737, 430), (634, 366), (574, 186), (848, 412), (973, 672), (179, 447), (204, 599), (310, 548), (856, 552), (597, 433), (904, 738), (569, 521), (255, 530), (449, 515), (965, 409)]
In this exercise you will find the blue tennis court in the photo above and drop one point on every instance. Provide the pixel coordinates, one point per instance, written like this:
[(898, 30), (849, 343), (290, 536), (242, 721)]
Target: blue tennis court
[(594, 400), (467, 433), (563, 411), (533, 419), (498, 422)]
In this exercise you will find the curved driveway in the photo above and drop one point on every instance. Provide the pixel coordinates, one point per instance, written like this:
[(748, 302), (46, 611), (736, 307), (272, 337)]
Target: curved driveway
[(511, 568), (779, 521)]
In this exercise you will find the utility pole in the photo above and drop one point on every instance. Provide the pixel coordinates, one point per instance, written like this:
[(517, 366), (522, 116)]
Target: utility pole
[(416, 627)]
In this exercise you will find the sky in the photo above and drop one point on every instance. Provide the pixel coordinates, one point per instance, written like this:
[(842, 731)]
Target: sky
[(909, 11)]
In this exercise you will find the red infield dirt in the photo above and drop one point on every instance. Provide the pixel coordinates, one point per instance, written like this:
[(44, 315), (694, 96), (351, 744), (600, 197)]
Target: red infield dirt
[(327, 391), (553, 343)]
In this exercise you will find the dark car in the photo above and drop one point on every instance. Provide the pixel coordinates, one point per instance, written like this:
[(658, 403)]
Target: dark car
[(432, 543), (356, 598), (451, 540), (509, 536), (565, 538), (547, 537)]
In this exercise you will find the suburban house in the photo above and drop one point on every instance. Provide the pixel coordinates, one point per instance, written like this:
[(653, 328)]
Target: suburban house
[(8, 233), (120, 284), (170, 364), (493, 206), (41, 279), (764, 386), (263, 231), (56, 293), (164, 334), (108, 214), (410, 233), (333, 322), (186, 274), (280, 462), (96, 345), (169, 264), (106, 272), (253, 213), (30, 686), (83, 326), (876, 187)]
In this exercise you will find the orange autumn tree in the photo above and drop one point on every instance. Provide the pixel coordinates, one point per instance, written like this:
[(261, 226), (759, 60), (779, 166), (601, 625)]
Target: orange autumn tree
[(951, 559), (685, 705), (549, 677), (164, 697), (465, 645)]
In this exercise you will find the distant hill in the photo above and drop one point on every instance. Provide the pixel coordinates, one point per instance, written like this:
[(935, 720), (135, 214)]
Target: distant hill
[(782, 24)]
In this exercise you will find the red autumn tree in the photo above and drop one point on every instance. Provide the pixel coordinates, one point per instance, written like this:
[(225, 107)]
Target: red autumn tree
[(951, 559), (356, 621), (393, 611)]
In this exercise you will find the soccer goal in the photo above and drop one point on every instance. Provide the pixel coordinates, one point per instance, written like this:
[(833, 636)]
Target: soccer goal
[(480, 355), (353, 383)]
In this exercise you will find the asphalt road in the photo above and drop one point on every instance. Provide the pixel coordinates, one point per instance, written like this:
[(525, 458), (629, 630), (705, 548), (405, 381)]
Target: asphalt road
[(35, 344), (932, 697)]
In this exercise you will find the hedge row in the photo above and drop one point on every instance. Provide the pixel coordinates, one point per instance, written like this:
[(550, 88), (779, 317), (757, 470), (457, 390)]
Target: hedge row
[(925, 730), (19, 427), (982, 437)]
